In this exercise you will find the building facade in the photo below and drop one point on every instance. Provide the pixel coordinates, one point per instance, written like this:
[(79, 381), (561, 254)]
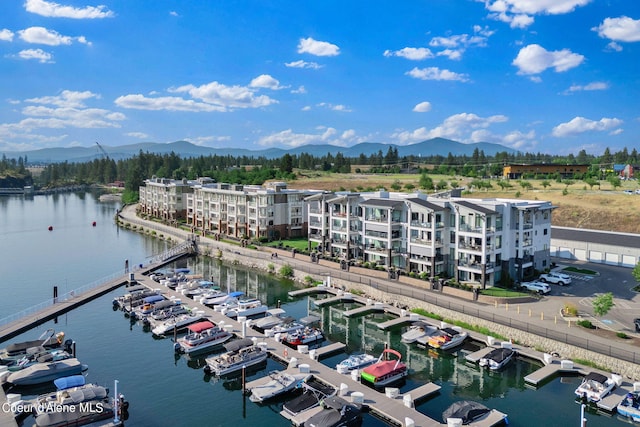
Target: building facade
[(565, 171), (164, 198), (480, 241)]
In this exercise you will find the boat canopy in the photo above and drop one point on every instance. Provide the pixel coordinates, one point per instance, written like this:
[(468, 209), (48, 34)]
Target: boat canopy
[(137, 288), (594, 376), (236, 294), (70, 381), (238, 344), (275, 312), (153, 298), (466, 410), (200, 326), (181, 270)]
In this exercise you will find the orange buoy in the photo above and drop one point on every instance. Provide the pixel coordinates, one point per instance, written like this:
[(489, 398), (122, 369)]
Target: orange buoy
[(93, 223), (285, 353), (51, 228)]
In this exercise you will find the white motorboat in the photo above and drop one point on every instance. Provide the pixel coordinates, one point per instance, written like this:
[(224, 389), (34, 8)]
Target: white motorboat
[(48, 339), (158, 316), (447, 338), (629, 406), (40, 373), (273, 317), (221, 298), (281, 382), (289, 325), (417, 331), (76, 403), (497, 358), (314, 392), (245, 308), (595, 387), (176, 323), (202, 336), (244, 355), (303, 336), (356, 361)]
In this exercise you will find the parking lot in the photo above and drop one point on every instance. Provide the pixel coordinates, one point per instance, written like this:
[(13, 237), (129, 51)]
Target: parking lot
[(584, 288)]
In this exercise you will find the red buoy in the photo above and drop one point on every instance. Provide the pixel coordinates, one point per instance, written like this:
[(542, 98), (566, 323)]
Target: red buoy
[(93, 223), (51, 228)]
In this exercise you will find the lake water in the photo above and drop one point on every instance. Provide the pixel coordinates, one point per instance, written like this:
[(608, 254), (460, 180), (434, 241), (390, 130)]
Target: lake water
[(165, 390)]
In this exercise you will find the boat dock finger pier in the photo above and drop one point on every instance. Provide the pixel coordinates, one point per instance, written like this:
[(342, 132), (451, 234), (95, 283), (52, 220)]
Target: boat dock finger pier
[(387, 404)]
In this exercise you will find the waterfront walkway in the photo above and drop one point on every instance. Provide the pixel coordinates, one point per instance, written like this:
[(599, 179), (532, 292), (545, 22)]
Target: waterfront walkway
[(539, 317)]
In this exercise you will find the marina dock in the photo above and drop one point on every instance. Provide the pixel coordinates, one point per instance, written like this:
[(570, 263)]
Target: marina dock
[(394, 410), (365, 309), (341, 297), (6, 417)]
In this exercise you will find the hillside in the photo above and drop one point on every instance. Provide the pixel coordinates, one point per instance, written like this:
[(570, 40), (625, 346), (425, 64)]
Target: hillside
[(581, 207)]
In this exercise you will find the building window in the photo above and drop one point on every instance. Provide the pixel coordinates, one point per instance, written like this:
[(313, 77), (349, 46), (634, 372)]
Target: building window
[(546, 231)]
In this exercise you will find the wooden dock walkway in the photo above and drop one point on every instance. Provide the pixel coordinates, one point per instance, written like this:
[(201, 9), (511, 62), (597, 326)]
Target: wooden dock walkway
[(554, 368), (477, 355), (330, 349), (360, 311), (6, 417), (336, 299), (307, 291)]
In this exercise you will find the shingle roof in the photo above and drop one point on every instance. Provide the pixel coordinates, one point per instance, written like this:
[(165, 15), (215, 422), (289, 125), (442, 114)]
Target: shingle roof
[(595, 236), (475, 207)]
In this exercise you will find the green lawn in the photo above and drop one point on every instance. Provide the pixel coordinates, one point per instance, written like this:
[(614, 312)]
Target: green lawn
[(505, 293), (301, 244), (581, 271)]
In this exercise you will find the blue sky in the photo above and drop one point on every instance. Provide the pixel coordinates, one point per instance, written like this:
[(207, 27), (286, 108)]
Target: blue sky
[(551, 76)]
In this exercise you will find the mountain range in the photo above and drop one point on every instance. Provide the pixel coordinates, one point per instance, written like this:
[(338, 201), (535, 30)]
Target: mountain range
[(430, 147)]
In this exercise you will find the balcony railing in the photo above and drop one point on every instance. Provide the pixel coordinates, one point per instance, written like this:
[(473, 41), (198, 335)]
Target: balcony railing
[(469, 229), (421, 224)]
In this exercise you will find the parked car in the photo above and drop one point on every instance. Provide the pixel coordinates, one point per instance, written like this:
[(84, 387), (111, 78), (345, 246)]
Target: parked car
[(555, 278), (535, 286), (636, 323)]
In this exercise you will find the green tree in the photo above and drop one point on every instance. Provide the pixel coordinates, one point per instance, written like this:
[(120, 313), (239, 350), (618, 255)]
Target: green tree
[(545, 183), (636, 272), (602, 304), (286, 163), (426, 182)]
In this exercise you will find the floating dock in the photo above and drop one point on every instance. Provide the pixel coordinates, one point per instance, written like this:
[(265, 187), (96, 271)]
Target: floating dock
[(378, 306), (553, 368), (308, 291), (334, 300)]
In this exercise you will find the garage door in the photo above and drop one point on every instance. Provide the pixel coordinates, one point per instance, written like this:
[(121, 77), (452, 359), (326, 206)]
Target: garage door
[(628, 260), (565, 253), (611, 259), (581, 254), (595, 256)]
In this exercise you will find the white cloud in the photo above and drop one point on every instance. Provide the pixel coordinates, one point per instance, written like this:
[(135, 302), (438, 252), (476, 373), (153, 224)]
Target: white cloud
[(458, 127), (518, 12), (40, 35), (614, 47), (168, 103), (335, 107), (67, 98), (174, 13), (580, 125), (588, 87), (623, 29), (412, 53), (6, 35), (37, 54), (422, 107), (435, 73), (452, 54), (306, 108), (139, 135), (534, 59), (300, 89), (303, 64), (265, 81), (207, 140), (55, 10), (318, 48), (226, 97), (325, 135)]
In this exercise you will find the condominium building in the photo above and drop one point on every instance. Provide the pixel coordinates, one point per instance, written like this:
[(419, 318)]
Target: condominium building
[(248, 211), (479, 241), (164, 198)]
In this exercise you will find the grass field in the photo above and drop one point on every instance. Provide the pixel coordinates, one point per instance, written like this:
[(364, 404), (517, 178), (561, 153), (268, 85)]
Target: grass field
[(577, 205)]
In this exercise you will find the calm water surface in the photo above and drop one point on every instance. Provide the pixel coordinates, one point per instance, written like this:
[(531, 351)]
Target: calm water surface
[(165, 390)]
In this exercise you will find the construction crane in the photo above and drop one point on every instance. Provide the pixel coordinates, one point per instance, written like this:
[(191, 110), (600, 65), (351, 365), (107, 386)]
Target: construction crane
[(102, 150)]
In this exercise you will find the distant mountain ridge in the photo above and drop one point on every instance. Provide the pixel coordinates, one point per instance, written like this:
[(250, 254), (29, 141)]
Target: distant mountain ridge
[(185, 149)]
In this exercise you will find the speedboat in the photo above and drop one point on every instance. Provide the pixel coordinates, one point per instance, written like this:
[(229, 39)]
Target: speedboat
[(273, 317), (288, 325), (201, 336), (281, 382), (175, 323), (76, 403), (152, 308), (243, 354), (447, 338), (163, 314), (465, 410), (221, 298), (313, 393), (148, 305), (355, 361), (40, 373), (497, 358), (15, 351), (303, 336), (594, 387), (418, 330), (245, 308), (630, 406), (42, 357), (385, 371), (336, 412)]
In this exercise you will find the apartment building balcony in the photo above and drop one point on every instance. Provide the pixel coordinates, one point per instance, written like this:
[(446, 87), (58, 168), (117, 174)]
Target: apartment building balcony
[(475, 267), (525, 261), (468, 247), (339, 242), (426, 242), (419, 224), (316, 211), (316, 237), (339, 214), (466, 228)]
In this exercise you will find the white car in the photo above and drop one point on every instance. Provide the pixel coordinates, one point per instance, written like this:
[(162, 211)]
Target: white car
[(535, 286), (555, 278)]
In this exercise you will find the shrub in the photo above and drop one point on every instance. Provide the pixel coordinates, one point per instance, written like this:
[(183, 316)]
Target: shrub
[(586, 324), (570, 310), (308, 279), (271, 267), (286, 271), (622, 335)]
